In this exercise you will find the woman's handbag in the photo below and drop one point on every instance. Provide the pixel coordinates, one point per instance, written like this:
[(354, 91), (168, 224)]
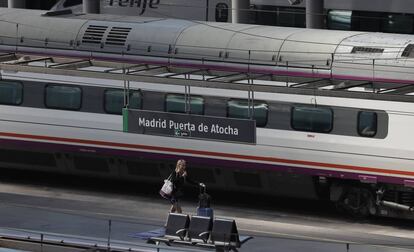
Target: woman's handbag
[(167, 188)]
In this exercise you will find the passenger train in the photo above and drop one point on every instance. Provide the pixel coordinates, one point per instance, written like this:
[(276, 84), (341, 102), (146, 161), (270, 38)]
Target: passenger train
[(354, 148)]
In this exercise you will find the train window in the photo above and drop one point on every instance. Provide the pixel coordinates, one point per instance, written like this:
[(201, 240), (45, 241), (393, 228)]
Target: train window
[(266, 15), (114, 100), (11, 93), (63, 97), (240, 109), (366, 21), (69, 3), (339, 20), (282, 16), (292, 17), (367, 123), (222, 12), (176, 103), (314, 119), (397, 23)]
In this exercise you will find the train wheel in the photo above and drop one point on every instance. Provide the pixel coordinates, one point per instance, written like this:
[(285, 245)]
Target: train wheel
[(357, 202)]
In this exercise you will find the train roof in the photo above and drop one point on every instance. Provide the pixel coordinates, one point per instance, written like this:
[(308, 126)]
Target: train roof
[(191, 39), (223, 42), (188, 38)]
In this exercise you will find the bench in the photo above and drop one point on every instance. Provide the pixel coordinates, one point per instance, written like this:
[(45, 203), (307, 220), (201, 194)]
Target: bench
[(219, 234)]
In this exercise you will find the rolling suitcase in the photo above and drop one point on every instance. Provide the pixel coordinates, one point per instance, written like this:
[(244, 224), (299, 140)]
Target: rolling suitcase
[(206, 212), (204, 201)]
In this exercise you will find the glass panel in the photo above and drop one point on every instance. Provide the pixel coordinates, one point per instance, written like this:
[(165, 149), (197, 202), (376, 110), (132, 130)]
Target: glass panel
[(176, 104), (63, 97), (135, 100), (69, 3), (312, 119), (397, 23), (339, 20), (266, 15), (366, 21), (293, 17), (11, 93), (367, 123), (114, 100), (240, 109), (222, 12)]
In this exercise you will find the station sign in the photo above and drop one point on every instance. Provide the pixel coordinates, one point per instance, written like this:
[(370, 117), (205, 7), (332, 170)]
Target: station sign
[(189, 126)]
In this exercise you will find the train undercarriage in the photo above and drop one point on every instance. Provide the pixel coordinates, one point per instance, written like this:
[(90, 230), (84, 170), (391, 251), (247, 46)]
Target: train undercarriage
[(362, 200), (350, 197)]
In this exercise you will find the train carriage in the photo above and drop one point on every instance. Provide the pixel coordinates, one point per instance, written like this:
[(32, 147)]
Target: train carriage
[(331, 110)]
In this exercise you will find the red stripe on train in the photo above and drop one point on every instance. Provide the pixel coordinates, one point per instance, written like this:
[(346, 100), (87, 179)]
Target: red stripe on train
[(209, 153)]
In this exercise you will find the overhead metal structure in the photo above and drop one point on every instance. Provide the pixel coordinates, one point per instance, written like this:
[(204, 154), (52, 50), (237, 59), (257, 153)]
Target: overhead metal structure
[(204, 77)]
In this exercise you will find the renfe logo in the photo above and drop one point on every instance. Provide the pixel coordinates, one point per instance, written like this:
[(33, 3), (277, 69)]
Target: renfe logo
[(141, 4)]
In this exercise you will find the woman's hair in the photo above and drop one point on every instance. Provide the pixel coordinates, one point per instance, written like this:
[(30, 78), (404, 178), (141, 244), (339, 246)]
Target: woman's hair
[(180, 166)]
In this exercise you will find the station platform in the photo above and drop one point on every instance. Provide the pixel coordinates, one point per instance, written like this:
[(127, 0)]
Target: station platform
[(101, 220)]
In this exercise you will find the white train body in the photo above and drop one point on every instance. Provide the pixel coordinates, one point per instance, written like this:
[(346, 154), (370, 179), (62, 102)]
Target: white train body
[(282, 161)]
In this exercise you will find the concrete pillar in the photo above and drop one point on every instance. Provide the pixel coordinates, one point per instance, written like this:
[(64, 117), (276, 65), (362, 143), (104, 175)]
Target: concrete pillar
[(16, 3), (314, 14), (91, 6), (240, 11)]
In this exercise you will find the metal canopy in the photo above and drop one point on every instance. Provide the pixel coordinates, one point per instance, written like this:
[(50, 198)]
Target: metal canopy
[(190, 77)]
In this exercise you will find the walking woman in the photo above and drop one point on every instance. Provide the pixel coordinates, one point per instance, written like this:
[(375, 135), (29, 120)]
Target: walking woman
[(178, 178)]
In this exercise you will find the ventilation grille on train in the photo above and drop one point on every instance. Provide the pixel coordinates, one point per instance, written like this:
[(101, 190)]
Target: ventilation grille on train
[(360, 49), (94, 34), (117, 36), (408, 51)]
